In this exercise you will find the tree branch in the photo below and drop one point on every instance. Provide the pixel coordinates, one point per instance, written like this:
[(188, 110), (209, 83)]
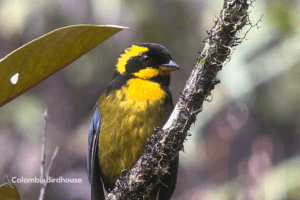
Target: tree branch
[(165, 143), (43, 175)]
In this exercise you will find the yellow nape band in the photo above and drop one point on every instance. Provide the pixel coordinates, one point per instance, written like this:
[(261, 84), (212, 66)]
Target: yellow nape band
[(129, 53), (147, 73)]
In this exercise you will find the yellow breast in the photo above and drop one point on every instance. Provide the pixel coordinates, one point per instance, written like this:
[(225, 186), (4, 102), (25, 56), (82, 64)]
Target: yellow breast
[(129, 115)]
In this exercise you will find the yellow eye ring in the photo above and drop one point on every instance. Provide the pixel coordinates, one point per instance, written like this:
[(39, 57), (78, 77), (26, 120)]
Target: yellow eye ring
[(146, 59)]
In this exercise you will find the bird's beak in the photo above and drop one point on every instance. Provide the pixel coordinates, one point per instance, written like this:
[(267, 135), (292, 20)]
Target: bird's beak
[(171, 66)]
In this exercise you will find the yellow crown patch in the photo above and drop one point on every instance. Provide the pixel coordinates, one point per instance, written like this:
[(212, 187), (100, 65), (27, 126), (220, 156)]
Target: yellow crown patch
[(129, 53)]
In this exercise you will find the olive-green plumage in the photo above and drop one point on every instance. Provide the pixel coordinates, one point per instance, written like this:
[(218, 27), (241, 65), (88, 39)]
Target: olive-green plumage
[(136, 102)]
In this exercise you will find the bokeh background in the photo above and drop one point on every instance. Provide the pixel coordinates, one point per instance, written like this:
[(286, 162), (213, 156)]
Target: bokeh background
[(245, 143)]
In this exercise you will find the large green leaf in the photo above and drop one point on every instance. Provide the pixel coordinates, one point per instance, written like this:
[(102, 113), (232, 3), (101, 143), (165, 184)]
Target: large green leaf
[(39, 59), (9, 192)]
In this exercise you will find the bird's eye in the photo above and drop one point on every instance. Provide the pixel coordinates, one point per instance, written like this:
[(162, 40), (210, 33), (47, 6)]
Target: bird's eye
[(145, 59)]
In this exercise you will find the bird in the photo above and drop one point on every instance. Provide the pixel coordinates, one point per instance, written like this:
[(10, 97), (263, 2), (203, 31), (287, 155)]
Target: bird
[(136, 101)]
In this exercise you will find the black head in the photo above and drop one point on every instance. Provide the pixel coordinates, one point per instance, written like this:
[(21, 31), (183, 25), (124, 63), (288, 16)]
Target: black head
[(146, 61)]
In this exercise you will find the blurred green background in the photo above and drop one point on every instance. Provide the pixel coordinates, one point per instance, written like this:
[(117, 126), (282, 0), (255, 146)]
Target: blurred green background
[(245, 143)]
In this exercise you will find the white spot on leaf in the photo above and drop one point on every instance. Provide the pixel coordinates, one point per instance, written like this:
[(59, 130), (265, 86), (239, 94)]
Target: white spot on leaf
[(14, 79)]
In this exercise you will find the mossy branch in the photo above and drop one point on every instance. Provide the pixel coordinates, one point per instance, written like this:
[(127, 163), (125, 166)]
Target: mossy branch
[(165, 143)]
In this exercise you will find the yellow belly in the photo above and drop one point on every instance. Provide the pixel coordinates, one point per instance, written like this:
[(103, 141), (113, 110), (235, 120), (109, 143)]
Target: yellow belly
[(129, 116)]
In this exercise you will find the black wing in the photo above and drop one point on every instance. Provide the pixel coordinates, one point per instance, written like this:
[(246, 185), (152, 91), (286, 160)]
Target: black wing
[(94, 172)]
